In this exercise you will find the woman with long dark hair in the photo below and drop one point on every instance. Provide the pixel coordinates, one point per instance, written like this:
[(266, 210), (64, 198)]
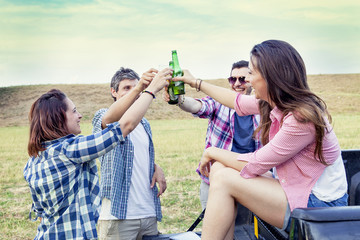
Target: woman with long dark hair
[(61, 171), (299, 145)]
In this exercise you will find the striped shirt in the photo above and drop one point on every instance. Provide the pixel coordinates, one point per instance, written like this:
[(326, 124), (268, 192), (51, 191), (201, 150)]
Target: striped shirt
[(64, 184), (116, 170), (220, 131), (291, 151)]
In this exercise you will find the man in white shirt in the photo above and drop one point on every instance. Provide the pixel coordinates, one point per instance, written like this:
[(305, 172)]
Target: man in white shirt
[(130, 198)]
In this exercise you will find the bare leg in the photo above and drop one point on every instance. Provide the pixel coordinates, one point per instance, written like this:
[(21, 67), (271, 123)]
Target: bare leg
[(230, 233), (261, 195)]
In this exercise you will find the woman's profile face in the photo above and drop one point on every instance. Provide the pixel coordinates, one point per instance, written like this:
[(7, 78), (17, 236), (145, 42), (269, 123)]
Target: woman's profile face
[(257, 81), (72, 117)]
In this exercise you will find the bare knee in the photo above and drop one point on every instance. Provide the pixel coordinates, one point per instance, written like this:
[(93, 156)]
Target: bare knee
[(218, 176), (228, 180), (215, 167)]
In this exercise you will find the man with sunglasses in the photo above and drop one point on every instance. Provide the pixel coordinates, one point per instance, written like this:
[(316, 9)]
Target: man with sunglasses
[(226, 129)]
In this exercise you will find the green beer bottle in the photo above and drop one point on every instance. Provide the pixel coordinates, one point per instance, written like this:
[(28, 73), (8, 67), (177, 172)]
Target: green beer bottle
[(174, 99), (179, 88)]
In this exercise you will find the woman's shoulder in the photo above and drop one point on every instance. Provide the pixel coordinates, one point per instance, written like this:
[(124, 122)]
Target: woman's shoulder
[(296, 120)]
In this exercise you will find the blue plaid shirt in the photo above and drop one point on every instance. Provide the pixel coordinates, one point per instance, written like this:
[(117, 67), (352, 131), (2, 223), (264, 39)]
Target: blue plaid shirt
[(116, 170), (64, 184)]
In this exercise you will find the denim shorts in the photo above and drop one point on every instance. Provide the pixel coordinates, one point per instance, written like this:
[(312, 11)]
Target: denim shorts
[(315, 202)]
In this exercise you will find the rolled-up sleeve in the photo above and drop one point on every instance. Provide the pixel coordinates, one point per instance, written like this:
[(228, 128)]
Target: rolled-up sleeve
[(207, 109), (97, 120)]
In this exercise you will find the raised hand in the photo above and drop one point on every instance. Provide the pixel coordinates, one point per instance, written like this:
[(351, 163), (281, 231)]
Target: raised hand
[(147, 78), (160, 80), (187, 78), (165, 95)]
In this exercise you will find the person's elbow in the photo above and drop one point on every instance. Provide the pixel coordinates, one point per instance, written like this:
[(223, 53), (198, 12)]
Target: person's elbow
[(104, 122), (126, 127), (107, 119)]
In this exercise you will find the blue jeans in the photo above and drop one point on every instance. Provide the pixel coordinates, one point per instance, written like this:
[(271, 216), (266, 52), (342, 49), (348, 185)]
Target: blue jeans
[(315, 202)]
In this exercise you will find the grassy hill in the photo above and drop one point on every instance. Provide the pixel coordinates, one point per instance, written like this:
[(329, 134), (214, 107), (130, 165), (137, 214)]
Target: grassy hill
[(340, 91)]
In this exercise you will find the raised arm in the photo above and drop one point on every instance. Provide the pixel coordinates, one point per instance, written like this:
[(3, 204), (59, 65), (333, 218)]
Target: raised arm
[(223, 95), (188, 104), (118, 108), (136, 112)]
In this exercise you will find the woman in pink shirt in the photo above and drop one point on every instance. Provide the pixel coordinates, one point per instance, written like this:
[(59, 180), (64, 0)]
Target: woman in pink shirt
[(299, 145)]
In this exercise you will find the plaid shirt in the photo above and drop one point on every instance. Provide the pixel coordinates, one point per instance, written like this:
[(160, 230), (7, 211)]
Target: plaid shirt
[(116, 170), (64, 185), (220, 131)]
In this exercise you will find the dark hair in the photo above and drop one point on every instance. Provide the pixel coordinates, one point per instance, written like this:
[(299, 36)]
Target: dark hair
[(239, 64), (121, 74), (284, 72), (47, 118)]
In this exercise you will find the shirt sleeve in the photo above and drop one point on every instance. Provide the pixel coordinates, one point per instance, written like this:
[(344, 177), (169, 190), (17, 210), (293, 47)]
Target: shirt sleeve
[(97, 120), (292, 138), (207, 107), (85, 148), (246, 105)]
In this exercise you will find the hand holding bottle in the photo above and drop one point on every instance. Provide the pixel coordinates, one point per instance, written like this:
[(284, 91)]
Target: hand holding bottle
[(187, 78), (165, 95)]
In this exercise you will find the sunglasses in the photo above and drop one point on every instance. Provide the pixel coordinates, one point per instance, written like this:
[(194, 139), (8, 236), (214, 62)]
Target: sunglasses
[(232, 80)]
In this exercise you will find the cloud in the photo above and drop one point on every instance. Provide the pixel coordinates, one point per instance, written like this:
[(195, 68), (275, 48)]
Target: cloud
[(88, 40)]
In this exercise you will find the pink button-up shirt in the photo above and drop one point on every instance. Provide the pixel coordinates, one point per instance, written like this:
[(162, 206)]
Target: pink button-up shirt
[(290, 150)]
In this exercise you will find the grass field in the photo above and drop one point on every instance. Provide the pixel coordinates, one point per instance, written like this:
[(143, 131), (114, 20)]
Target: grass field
[(178, 146)]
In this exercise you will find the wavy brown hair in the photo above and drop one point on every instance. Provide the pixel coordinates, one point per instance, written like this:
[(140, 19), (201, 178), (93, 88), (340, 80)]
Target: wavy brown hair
[(47, 118), (284, 72)]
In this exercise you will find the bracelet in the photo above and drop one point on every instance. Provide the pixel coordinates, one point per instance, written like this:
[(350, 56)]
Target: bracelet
[(182, 100), (198, 88), (152, 94)]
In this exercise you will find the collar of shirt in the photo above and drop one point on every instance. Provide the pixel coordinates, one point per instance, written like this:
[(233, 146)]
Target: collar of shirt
[(58, 140), (276, 114)]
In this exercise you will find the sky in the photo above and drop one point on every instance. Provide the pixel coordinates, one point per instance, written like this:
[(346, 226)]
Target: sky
[(84, 41)]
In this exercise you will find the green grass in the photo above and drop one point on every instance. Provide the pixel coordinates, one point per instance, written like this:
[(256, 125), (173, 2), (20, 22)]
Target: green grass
[(347, 130), (15, 200), (178, 149)]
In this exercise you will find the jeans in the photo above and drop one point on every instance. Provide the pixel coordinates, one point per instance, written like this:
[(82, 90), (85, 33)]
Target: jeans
[(315, 202)]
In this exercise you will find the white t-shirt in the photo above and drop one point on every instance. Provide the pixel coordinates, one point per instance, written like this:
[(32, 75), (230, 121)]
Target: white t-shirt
[(334, 175), (141, 201)]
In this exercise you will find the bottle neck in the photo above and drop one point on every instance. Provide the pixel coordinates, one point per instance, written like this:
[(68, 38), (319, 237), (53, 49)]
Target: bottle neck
[(176, 66)]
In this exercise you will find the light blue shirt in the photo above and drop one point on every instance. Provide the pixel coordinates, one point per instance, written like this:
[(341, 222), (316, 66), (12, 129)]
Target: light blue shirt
[(116, 170)]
